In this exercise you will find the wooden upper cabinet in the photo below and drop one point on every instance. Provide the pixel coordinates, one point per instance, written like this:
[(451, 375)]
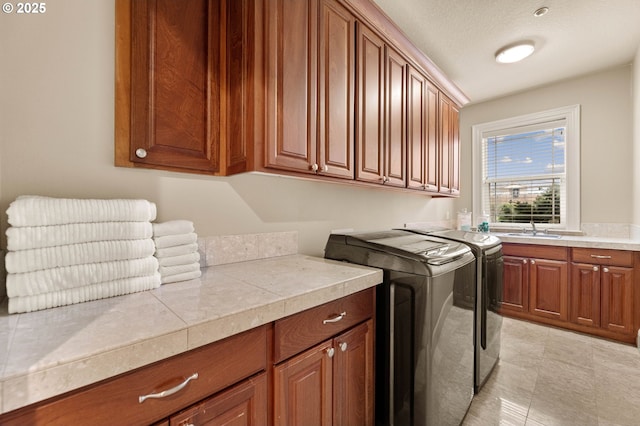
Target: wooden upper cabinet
[(175, 75), (370, 131), (382, 89), (395, 120), (336, 82), (449, 147), (177, 68), (292, 55), (310, 87), (422, 136)]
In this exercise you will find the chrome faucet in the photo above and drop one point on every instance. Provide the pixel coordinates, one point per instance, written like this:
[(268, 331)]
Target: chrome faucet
[(533, 225)]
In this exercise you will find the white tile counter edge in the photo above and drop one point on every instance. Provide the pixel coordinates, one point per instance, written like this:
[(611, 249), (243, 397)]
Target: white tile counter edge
[(48, 353), (574, 241)]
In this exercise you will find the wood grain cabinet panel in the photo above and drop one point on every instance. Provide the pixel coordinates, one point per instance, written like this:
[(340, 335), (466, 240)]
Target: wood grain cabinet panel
[(242, 405), (548, 288), (583, 289), (515, 295), (175, 101), (602, 294), (329, 384), (422, 137), (219, 365), (449, 147)]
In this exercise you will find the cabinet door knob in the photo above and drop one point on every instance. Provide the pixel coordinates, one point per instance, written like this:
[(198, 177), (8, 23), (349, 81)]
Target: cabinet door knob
[(343, 346), (533, 262), (605, 270), (595, 269), (314, 167), (331, 352), (325, 168), (524, 261), (141, 153), (385, 179)]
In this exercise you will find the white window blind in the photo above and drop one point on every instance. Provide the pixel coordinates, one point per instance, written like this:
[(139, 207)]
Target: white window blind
[(523, 176)]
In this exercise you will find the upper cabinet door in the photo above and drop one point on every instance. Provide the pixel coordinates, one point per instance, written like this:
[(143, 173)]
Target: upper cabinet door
[(336, 84), (175, 72), (450, 147), (292, 54), (370, 132), (395, 120), (422, 135)]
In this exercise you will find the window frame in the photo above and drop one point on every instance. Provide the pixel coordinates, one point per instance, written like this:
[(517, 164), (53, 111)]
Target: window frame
[(571, 115)]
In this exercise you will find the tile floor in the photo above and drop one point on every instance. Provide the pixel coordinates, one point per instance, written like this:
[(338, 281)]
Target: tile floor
[(547, 376)]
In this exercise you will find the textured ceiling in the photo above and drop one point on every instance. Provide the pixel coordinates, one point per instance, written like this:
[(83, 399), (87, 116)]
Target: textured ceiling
[(575, 37)]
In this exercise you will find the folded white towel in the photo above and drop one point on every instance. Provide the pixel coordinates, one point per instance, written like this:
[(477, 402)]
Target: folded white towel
[(180, 277), (29, 237), (54, 279), (83, 294), (172, 227), (184, 259), (175, 240), (77, 254), (176, 250), (166, 271), (30, 210)]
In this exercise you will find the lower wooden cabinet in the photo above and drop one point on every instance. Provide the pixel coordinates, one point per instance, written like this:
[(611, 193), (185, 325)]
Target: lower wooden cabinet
[(329, 384), (602, 290), (535, 281), (583, 289), (314, 367), (242, 405)]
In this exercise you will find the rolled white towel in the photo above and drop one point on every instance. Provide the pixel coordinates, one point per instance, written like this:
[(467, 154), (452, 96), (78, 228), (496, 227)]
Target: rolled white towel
[(54, 279), (30, 210), (175, 240), (176, 250), (172, 227), (83, 294), (77, 254), (30, 237), (181, 277), (166, 271), (184, 259)]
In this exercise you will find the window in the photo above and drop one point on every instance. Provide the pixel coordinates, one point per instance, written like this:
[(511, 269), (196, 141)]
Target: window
[(527, 168)]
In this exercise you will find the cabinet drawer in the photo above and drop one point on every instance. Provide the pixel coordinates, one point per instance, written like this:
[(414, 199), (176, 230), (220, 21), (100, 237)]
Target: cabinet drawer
[(116, 401), (602, 256), (535, 251), (305, 329)]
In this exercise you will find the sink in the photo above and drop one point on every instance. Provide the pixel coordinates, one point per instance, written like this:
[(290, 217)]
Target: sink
[(530, 235)]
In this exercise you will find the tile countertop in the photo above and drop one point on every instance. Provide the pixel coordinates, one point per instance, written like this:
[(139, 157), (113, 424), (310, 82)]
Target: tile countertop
[(49, 352), (573, 241)]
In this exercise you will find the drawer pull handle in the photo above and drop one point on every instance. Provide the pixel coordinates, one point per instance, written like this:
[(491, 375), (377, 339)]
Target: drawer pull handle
[(335, 319), (168, 392), (600, 256)]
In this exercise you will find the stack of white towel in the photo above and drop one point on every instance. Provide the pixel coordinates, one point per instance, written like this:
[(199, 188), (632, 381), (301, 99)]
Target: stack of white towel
[(65, 251), (177, 250)]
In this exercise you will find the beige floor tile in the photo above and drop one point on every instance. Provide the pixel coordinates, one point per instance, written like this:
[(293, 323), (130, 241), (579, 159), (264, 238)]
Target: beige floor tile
[(553, 377)]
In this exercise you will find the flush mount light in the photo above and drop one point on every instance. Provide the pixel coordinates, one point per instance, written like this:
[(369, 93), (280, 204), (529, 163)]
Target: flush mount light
[(541, 12), (515, 52)]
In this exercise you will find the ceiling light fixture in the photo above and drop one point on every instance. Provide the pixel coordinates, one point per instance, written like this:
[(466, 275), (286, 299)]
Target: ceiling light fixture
[(541, 12), (515, 52)]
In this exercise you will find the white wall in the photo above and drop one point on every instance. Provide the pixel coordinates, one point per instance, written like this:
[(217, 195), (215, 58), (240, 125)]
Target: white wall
[(56, 139), (607, 164)]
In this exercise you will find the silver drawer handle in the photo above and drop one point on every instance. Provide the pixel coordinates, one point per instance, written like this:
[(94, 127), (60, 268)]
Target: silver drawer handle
[(600, 256), (168, 392), (335, 319)]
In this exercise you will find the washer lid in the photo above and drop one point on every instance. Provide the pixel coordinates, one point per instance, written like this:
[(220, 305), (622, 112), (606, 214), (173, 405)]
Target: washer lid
[(478, 239), (433, 250)]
